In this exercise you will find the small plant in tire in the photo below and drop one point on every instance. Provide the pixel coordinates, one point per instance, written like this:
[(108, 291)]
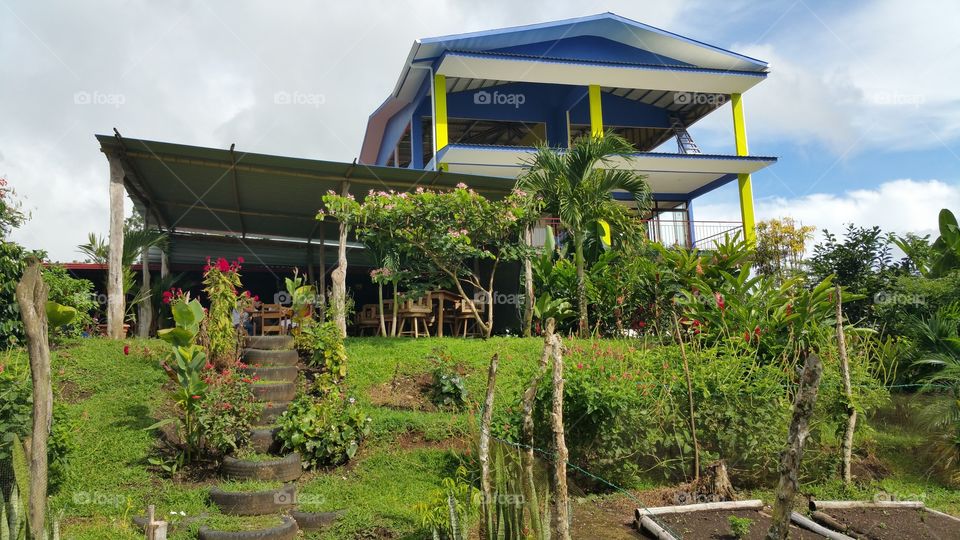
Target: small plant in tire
[(325, 430)]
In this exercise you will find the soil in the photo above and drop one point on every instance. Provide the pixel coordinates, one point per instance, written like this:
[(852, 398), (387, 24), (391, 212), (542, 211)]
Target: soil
[(414, 440), (714, 525), (70, 392), (868, 468), (405, 392), (897, 523)]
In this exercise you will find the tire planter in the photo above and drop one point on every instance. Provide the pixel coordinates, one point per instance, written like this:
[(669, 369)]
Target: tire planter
[(286, 531), (270, 342), (274, 391), (271, 411), (270, 357), (274, 373), (254, 503), (264, 440), (314, 521), (285, 469)]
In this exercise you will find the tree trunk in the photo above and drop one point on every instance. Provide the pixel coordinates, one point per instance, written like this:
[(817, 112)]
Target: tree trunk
[(383, 316), (529, 459), (396, 309), (146, 304), (115, 293), (692, 410), (847, 445), (339, 275), (803, 406), (581, 287), (488, 508), (528, 288), (560, 466), (32, 299)]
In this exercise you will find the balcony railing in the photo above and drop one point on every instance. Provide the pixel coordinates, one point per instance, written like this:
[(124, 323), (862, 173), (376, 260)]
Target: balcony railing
[(669, 232)]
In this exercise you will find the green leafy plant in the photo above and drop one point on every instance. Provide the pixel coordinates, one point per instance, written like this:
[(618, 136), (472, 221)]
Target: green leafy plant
[(77, 294), (227, 413), (740, 526), (450, 511), (221, 281), (940, 258), (12, 263), (326, 430), (447, 389), (328, 354)]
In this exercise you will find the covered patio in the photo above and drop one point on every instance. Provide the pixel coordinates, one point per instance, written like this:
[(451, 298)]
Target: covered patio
[(224, 202)]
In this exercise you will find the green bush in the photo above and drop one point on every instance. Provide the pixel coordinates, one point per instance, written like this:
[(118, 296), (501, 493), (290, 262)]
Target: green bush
[(740, 526), (329, 354), (325, 431), (228, 410), (11, 269), (447, 389), (71, 292)]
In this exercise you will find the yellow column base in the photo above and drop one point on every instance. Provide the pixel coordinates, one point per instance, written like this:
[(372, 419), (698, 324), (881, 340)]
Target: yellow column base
[(746, 208)]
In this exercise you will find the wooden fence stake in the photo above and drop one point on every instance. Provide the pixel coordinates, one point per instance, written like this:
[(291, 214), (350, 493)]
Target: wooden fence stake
[(847, 445)]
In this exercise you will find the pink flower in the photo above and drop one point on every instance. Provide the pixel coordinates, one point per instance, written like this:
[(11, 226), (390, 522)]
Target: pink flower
[(579, 365), (126, 350), (719, 298), (223, 265)]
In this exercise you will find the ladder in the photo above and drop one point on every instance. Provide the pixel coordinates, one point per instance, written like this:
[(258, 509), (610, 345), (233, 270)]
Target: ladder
[(685, 143)]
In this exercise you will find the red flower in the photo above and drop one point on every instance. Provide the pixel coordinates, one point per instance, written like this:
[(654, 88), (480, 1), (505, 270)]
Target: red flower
[(126, 350), (208, 365), (641, 324), (223, 265), (579, 365), (167, 297), (227, 406), (756, 332), (789, 309), (719, 298), (256, 298), (239, 260), (256, 378), (195, 397), (746, 336)]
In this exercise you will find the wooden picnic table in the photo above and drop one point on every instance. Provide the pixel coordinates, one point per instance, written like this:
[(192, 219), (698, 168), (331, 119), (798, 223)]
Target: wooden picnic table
[(440, 298)]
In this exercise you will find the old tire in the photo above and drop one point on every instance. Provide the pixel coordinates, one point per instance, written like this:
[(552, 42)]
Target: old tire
[(264, 440), (274, 373), (271, 411), (286, 531), (269, 342), (274, 391), (270, 358), (314, 521), (254, 503), (285, 469)]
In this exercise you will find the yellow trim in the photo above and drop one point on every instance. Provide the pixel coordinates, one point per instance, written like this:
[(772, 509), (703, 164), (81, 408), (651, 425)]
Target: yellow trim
[(596, 111), (746, 207), (440, 110), (744, 181), (739, 126)]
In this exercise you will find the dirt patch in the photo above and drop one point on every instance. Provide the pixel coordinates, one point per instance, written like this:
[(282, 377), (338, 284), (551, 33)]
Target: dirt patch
[(883, 523), (414, 440), (715, 525), (405, 392), (375, 533), (70, 392), (869, 468)]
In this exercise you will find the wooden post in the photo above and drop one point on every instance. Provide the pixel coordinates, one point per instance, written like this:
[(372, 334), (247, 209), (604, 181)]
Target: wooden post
[(32, 299), (145, 308), (164, 264), (487, 504), (787, 487), (339, 275), (847, 444), (115, 299), (528, 286), (156, 530), (559, 441), (691, 409), (529, 399), (323, 275)]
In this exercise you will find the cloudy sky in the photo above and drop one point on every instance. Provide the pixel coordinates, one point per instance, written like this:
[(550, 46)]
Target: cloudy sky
[(862, 106)]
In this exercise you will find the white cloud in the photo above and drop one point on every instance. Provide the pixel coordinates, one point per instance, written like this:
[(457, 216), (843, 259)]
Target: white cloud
[(898, 206)]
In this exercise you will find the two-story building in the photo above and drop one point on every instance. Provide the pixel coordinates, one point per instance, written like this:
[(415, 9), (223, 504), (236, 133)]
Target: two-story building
[(479, 103)]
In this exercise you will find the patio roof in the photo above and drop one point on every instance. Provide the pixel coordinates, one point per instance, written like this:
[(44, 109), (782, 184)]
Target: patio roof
[(228, 193)]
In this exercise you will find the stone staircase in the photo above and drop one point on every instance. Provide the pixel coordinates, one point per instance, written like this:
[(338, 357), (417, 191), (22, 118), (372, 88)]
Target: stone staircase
[(274, 360)]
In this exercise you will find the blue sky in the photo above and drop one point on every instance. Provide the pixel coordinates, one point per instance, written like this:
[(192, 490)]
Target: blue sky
[(862, 105)]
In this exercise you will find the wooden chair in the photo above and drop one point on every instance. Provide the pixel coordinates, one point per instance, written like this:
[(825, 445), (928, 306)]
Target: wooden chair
[(416, 312), (368, 319), (466, 322), (271, 318)]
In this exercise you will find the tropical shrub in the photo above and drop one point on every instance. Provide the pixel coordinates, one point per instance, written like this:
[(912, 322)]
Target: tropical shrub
[(12, 264), (740, 526), (74, 293), (227, 412), (451, 510), (325, 430), (447, 389), (780, 246), (328, 353), (221, 281)]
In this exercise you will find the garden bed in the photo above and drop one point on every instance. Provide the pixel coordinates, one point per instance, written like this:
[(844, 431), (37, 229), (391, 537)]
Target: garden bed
[(715, 525), (882, 522)]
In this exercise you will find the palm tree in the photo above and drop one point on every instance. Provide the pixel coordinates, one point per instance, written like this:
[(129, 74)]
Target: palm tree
[(576, 186)]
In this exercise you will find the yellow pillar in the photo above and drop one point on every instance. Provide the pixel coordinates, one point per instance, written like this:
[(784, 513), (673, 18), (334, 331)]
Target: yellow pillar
[(440, 110), (743, 180), (596, 111)]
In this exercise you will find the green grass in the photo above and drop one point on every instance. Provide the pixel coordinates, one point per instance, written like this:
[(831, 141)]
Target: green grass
[(248, 486), (113, 397), (249, 455)]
